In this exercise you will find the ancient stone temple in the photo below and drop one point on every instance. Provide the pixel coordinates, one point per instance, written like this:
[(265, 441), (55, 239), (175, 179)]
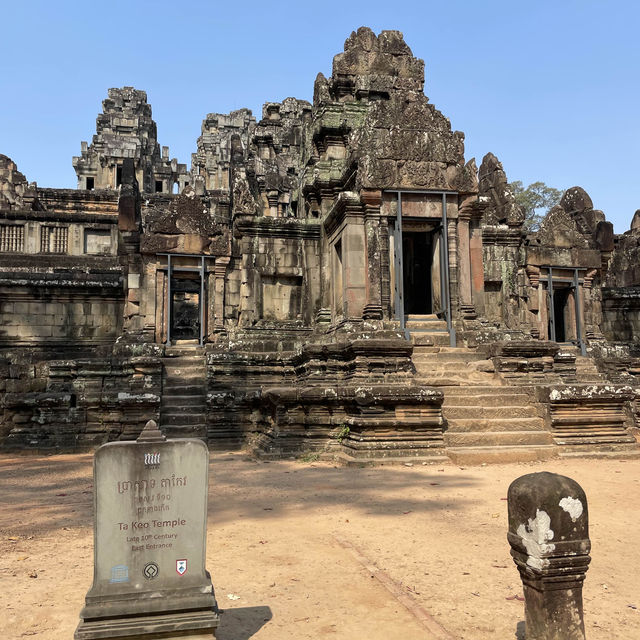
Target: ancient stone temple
[(333, 277)]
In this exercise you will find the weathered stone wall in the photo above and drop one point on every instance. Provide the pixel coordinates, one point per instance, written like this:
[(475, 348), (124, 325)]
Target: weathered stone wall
[(621, 313), (27, 317), (71, 404), (280, 260)]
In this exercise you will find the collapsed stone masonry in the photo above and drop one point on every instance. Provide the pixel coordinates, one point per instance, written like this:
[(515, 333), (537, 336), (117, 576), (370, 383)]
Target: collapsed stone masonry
[(334, 278)]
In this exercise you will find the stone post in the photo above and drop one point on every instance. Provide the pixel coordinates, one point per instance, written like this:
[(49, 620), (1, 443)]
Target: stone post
[(549, 538)]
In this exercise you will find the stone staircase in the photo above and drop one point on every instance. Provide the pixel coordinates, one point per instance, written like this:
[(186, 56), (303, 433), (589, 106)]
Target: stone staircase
[(486, 420), (587, 372), (438, 364), (183, 407), (494, 423), (427, 330)]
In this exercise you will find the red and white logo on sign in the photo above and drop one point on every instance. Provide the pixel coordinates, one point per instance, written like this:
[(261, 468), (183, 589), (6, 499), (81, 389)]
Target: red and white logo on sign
[(181, 567)]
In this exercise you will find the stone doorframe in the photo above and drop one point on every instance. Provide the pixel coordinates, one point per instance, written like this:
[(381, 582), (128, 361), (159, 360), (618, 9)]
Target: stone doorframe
[(445, 284), (164, 294), (574, 281)]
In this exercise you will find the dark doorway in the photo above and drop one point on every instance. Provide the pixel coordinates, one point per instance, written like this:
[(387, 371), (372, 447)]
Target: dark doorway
[(185, 308), (416, 268), (560, 299)]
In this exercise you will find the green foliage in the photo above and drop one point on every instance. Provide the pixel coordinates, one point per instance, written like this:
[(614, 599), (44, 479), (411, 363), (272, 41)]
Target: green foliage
[(309, 457), (343, 433), (535, 200)]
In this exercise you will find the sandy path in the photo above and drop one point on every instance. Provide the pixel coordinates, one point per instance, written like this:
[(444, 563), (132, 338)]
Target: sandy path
[(282, 537)]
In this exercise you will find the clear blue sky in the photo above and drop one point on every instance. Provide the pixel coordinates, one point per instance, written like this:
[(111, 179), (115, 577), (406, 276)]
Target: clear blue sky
[(552, 88)]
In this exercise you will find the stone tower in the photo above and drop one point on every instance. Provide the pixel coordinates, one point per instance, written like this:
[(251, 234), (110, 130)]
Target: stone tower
[(125, 129)]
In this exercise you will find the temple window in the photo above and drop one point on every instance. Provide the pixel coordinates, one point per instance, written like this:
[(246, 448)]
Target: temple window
[(54, 239)]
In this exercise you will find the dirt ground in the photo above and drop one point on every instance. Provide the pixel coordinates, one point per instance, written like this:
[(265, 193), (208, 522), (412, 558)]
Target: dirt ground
[(308, 550)]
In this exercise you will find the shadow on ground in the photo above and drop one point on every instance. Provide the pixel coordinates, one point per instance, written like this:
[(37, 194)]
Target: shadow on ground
[(242, 623), (44, 494), (262, 490)]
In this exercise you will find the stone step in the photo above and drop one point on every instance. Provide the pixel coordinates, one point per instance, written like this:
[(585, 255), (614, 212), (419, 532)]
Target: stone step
[(422, 317), (194, 409), (497, 438), (183, 400), (424, 363), (407, 461), (186, 350), (469, 380), (497, 399), (194, 369), (185, 366), (486, 389), (430, 339), (587, 368), (447, 356), (428, 325), (182, 360), (507, 411), (181, 418), (468, 425), (183, 389), (443, 349), (502, 455), (623, 452), (187, 431), (184, 379)]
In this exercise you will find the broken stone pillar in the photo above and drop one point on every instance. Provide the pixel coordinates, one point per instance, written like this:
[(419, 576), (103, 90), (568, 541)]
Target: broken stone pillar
[(549, 538)]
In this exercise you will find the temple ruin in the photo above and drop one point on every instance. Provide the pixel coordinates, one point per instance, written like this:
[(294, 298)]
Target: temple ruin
[(332, 278)]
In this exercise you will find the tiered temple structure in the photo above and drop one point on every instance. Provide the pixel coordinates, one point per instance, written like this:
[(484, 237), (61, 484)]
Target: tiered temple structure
[(334, 278)]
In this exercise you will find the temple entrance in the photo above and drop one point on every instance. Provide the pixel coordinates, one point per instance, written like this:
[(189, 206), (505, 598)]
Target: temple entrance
[(421, 293), (560, 313), (563, 310), (185, 307), (184, 298), (420, 266)]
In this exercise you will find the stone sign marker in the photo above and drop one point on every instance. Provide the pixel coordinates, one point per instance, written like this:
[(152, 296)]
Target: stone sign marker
[(549, 538), (150, 581)]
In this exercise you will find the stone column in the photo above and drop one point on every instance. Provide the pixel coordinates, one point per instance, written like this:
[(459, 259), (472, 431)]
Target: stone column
[(465, 300), (219, 273), (476, 258), (549, 538), (536, 300), (372, 201), (354, 265)]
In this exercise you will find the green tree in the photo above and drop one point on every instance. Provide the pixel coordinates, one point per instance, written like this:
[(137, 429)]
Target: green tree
[(535, 200)]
